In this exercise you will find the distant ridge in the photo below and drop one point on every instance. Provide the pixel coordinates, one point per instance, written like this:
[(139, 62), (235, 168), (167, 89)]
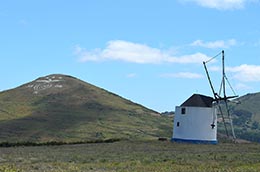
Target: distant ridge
[(63, 108), (246, 116)]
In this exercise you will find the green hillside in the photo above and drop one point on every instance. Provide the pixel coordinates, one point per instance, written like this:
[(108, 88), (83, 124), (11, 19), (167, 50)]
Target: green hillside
[(246, 115), (64, 108)]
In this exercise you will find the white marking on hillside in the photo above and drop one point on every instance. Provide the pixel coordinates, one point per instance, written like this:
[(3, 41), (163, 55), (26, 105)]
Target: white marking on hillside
[(46, 83), (58, 86)]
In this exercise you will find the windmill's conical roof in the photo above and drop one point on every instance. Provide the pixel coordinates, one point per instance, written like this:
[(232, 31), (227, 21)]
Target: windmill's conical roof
[(198, 100)]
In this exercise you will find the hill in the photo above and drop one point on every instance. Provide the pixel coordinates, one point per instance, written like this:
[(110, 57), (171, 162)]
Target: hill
[(246, 113), (65, 109)]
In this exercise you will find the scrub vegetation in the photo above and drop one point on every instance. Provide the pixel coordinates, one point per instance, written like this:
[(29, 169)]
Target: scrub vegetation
[(247, 117), (132, 156), (60, 108)]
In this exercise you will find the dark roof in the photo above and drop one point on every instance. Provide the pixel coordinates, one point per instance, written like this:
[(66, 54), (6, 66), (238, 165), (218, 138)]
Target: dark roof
[(198, 100)]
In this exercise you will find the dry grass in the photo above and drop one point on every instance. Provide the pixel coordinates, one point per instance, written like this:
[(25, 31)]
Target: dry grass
[(132, 156)]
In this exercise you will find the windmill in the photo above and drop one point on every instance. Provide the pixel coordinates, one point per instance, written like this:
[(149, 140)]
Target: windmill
[(221, 98)]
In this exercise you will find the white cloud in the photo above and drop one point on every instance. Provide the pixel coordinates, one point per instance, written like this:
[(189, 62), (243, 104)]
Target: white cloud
[(131, 75), (120, 50), (215, 44), (257, 44), (241, 86), (246, 73), (187, 75), (221, 4), (23, 22), (214, 68), (132, 52), (192, 58)]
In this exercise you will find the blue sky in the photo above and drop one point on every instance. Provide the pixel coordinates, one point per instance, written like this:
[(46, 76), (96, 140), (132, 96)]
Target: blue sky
[(150, 52)]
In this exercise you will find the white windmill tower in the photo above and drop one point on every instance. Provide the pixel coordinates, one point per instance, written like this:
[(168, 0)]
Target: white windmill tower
[(195, 120), (221, 99)]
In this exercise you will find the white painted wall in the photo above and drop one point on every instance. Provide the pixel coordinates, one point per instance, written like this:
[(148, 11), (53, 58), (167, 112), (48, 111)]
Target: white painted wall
[(195, 124)]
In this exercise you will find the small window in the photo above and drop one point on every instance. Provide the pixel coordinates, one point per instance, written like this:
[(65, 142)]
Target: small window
[(183, 111), (178, 124)]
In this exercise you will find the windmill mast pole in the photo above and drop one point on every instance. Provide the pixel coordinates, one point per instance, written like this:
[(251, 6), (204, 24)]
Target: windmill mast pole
[(223, 75), (210, 83), (225, 97)]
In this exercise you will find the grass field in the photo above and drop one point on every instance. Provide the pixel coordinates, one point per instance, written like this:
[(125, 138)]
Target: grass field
[(132, 156)]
